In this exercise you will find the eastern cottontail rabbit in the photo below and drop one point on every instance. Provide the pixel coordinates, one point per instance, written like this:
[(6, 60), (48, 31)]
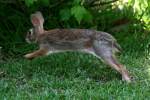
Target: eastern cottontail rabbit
[(101, 44)]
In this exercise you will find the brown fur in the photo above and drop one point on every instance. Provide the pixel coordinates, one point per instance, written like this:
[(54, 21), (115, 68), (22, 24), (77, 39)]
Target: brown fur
[(36, 53)]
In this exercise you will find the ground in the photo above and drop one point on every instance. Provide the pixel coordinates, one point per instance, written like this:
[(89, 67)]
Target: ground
[(74, 75)]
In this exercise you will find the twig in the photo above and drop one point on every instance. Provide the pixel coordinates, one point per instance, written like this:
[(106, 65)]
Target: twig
[(56, 4), (8, 1), (103, 3)]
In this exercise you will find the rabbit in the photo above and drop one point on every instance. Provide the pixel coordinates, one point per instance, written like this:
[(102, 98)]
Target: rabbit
[(100, 44)]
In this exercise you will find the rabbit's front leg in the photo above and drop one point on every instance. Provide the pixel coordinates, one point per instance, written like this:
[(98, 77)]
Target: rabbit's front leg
[(36, 53)]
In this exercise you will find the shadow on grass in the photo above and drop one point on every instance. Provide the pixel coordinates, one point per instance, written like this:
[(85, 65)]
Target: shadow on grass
[(63, 65)]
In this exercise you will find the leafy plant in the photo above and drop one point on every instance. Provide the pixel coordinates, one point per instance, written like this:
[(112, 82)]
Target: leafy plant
[(95, 14), (80, 13)]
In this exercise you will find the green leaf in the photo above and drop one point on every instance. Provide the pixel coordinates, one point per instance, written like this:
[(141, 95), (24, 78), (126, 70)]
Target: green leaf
[(45, 2), (65, 14), (88, 17), (29, 2), (80, 13), (76, 2)]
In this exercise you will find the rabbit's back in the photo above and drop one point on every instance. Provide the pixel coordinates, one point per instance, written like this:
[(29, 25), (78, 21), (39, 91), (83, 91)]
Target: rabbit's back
[(74, 38), (70, 34), (67, 38)]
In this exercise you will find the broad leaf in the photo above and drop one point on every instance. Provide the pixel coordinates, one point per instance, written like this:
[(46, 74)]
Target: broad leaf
[(80, 13), (76, 2), (29, 2), (65, 14), (45, 2)]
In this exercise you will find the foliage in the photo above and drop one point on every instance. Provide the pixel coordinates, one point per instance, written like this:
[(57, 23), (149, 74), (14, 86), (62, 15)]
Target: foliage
[(74, 75), (94, 14)]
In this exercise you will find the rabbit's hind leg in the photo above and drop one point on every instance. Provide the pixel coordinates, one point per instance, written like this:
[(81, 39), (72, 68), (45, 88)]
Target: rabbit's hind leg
[(106, 54), (114, 63), (36, 53)]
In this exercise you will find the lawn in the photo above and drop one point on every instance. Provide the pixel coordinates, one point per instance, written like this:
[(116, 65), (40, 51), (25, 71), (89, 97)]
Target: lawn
[(74, 76)]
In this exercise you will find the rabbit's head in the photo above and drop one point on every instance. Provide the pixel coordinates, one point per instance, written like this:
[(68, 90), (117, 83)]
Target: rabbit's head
[(37, 21), (31, 36)]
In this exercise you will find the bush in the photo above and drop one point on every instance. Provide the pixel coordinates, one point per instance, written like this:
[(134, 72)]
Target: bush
[(104, 15)]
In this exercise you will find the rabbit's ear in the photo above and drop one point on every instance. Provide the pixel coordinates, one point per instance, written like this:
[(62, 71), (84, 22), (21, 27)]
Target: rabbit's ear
[(37, 19)]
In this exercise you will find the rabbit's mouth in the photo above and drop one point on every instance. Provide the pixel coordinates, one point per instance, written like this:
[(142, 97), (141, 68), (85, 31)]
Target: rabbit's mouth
[(28, 41)]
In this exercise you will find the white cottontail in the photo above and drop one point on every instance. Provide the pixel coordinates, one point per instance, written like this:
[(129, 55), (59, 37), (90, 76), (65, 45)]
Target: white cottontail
[(101, 44)]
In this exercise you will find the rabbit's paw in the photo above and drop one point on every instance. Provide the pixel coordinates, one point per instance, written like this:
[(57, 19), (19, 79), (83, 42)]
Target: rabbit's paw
[(126, 78), (28, 56)]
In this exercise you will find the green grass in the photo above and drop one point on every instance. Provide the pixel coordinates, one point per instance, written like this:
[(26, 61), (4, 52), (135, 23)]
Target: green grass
[(73, 75), (70, 75)]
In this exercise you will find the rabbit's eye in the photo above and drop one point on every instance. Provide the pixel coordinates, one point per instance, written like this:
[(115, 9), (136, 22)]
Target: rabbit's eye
[(30, 32)]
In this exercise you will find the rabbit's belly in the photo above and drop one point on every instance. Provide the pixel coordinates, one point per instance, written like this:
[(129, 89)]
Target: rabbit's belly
[(88, 50), (68, 47)]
